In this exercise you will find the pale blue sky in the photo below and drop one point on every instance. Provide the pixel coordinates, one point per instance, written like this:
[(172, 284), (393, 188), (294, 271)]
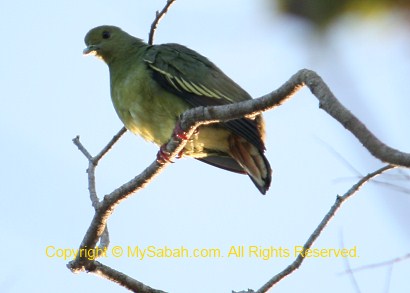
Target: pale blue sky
[(51, 93)]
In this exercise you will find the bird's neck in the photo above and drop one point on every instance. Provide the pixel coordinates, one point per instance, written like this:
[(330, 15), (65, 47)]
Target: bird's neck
[(126, 52), (127, 62)]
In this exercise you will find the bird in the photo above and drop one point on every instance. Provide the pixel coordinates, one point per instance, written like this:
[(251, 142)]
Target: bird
[(152, 85)]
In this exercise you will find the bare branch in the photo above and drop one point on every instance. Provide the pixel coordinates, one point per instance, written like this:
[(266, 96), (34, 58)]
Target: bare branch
[(388, 263), (327, 102), (338, 155), (349, 269), (98, 229), (193, 118), (388, 279), (110, 144), (93, 162), (122, 279), (76, 141), (108, 204), (104, 240), (381, 264), (105, 150), (158, 17), (339, 201)]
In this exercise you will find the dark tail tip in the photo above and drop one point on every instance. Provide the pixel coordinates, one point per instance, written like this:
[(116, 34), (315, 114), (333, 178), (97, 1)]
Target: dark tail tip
[(253, 161), (266, 181)]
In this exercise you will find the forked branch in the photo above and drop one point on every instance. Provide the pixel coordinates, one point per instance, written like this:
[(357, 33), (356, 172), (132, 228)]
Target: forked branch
[(158, 17), (312, 238), (192, 119)]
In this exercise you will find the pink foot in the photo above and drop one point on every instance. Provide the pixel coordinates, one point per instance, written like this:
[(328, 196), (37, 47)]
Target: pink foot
[(180, 133), (163, 155)]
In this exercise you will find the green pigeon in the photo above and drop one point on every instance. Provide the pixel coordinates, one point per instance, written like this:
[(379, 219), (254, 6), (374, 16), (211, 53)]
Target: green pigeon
[(152, 85)]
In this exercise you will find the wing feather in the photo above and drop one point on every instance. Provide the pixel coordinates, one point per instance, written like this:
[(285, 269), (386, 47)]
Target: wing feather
[(199, 82)]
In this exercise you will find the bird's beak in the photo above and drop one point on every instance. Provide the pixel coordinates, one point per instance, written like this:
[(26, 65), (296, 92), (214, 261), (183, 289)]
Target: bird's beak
[(91, 50)]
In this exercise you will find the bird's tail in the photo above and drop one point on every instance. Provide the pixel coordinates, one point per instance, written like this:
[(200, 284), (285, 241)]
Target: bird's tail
[(252, 160)]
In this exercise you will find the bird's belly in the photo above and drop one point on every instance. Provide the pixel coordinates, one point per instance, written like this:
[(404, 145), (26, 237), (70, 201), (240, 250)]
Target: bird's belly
[(153, 114), (151, 127), (146, 111), (209, 140)]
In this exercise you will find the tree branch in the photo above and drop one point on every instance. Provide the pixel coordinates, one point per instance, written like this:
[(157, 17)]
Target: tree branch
[(158, 17), (380, 264), (193, 118), (93, 162), (327, 102), (121, 279), (189, 122), (339, 201), (110, 201), (98, 229)]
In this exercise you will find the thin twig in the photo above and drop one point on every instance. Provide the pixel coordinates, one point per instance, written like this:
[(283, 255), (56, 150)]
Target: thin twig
[(110, 144), (92, 190), (93, 162), (388, 279), (158, 17), (339, 201), (352, 277), (193, 118), (339, 156), (392, 186), (122, 279), (110, 201), (98, 229), (83, 150), (381, 264)]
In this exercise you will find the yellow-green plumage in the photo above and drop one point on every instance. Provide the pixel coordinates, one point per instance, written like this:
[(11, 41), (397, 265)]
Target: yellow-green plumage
[(141, 112), (152, 85)]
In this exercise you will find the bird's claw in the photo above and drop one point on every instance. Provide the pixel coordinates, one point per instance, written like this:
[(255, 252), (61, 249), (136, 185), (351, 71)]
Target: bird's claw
[(180, 154), (163, 155), (181, 134)]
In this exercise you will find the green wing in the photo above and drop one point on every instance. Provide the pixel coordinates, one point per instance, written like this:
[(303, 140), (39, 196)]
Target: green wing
[(199, 82)]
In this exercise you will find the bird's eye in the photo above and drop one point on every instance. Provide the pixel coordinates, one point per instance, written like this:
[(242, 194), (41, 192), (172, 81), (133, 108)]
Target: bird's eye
[(106, 35)]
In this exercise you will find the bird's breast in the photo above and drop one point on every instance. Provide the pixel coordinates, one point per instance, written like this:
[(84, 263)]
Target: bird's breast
[(150, 111), (145, 108)]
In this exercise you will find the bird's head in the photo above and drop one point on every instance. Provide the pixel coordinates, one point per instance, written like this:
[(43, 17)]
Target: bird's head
[(109, 42)]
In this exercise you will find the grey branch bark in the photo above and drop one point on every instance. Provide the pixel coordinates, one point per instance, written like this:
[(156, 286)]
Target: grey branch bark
[(158, 16), (122, 279), (194, 118), (312, 238), (327, 102)]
